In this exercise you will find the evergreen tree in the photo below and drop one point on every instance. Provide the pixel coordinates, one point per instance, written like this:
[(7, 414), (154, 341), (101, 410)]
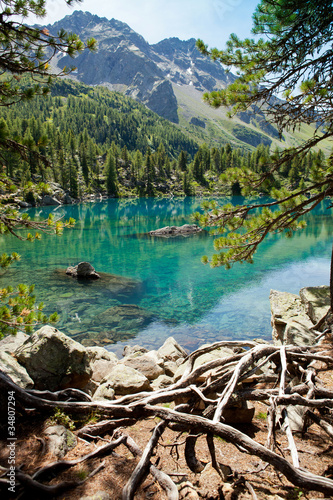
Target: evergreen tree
[(182, 161), (111, 175), (293, 59)]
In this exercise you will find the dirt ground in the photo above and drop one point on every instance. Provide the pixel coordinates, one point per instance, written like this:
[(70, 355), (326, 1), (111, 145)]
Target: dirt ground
[(245, 471), (315, 453)]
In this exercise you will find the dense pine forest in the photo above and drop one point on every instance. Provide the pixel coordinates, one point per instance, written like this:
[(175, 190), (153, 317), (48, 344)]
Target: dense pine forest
[(98, 141)]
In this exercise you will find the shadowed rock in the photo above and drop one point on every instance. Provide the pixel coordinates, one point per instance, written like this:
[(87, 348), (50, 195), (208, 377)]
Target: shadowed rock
[(84, 270)]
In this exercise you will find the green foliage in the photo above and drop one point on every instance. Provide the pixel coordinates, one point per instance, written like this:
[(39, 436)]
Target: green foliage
[(29, 50), (18, 310), (292, 59), (262, 415), (60, 418)]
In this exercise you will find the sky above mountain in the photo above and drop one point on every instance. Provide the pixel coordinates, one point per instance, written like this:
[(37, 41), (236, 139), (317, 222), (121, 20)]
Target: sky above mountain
[(210, 20)]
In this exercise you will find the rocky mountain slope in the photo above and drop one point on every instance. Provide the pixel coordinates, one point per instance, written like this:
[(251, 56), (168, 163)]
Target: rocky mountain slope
[(168, 77)]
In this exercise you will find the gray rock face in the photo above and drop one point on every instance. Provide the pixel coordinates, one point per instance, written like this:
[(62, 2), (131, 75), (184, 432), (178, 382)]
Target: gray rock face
[(171, 231), (104, 392), (84, 270), (171, 351), (54, 361), (101, 363), (144, 364), (125, 380), (286, 309), (49, 200), (17, 372), (296, 333), (161, 382), (316, 300), (12, 342), (129, 350), (60, 440)]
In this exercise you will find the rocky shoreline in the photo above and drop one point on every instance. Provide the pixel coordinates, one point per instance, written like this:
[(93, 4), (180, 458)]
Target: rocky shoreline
[(50, 371), (50, 360)]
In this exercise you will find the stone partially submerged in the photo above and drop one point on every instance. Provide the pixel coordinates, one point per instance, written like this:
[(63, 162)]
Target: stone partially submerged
[(172, 231), (83, 270)]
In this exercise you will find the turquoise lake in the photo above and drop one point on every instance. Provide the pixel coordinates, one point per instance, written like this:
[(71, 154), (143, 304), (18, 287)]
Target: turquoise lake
[(172, 291)]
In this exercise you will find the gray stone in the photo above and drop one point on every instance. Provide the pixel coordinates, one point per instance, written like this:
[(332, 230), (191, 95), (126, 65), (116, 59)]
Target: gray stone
[(104, 392), (132, 349), (170, 368), (316, 300), (220, 353), (12, 342), (67, 200), (171, 350), (54, 361), (17, 372), (296, 333), (24, 204), (286, 307), (83, 270), (60, 440), (126, 380), (96, 353), (50, 200), (161, 382), (145, 364), (101, 363), (171, 231)]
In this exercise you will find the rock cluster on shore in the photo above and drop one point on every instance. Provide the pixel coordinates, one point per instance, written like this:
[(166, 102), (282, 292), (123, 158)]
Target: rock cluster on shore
[(50, 360)]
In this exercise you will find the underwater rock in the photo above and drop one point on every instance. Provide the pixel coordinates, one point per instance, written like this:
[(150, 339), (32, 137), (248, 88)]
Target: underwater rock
[(125, 317)]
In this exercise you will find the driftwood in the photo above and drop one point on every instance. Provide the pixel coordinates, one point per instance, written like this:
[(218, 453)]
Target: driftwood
[(223, 383)]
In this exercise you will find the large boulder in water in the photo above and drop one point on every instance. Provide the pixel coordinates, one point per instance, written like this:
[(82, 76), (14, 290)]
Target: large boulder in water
[(54, 361), (171, 231), (84, 270)]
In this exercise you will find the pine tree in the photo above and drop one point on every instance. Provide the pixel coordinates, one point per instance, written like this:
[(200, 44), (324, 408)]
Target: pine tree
[(293, 60), (111, 175)]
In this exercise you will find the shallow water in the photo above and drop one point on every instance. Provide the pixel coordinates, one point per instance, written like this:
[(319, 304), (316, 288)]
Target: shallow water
[(176, 294)]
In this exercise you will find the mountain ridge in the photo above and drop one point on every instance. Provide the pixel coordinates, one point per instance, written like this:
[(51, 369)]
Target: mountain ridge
[(169, 77)]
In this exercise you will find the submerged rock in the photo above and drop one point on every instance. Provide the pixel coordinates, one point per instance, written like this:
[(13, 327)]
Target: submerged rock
[(125, 317), (171, 231)]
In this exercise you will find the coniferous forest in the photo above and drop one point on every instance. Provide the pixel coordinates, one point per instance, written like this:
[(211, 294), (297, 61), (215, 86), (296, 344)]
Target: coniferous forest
[(98, 141)]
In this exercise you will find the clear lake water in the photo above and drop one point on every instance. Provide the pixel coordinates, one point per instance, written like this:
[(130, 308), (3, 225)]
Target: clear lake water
[(152, 288)]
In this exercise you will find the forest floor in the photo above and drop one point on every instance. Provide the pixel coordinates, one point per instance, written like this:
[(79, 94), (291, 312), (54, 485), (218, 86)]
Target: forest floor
[(314, 447)]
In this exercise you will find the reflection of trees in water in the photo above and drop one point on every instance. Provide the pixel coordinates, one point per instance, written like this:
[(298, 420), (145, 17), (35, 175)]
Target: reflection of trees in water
[(176, 285)]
